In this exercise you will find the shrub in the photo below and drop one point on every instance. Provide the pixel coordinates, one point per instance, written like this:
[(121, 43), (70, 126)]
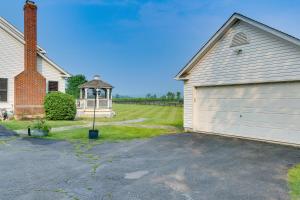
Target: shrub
[(60, 106), (40, 125)]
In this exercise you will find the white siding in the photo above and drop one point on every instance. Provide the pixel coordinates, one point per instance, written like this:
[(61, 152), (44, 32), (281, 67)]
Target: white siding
[(262, 111), (265, 59), (12, 63), (50, 73)]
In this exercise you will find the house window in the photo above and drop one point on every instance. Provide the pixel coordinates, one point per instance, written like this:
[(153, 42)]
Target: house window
[(3, 89), (52, 86)]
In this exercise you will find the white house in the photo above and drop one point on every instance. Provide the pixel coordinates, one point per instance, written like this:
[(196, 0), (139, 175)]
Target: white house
[(245, 82), (16, 53)]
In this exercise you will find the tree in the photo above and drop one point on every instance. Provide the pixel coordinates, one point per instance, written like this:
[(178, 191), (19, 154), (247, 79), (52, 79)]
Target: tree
[(178, 95), (170, 96), (148, 96), (73, 83)]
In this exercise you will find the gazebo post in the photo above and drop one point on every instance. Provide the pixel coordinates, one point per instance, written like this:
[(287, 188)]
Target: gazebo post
[(85, 97), (97, 98), (107, 96)]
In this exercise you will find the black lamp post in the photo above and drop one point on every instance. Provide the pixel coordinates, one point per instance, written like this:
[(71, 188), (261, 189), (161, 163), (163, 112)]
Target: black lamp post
[(93, 134)]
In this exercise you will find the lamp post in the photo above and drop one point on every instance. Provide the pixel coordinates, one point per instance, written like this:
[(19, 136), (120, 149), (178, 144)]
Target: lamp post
[(93, 134)]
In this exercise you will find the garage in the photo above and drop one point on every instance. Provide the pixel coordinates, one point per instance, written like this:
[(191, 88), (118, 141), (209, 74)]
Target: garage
[(245, 82), (262, 111)]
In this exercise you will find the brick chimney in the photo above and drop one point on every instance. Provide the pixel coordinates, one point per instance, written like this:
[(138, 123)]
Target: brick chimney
[(30, 85)]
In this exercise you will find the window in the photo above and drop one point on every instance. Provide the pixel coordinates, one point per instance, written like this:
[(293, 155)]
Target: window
[(239, 39), (3, 89), (52, 86)]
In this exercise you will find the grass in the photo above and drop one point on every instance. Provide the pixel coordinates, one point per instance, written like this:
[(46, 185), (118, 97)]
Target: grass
[(109, 133), (294, 182), (155, 115), (23, 124), (160, 116)]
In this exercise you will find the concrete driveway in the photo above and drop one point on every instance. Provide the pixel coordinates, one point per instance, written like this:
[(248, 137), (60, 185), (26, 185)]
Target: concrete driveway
[(183, 166)]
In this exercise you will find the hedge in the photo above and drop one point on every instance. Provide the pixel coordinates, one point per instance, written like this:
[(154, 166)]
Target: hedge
[(60, 106)]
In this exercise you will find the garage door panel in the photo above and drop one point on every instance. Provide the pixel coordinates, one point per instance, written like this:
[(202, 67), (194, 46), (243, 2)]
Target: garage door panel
[(257, 104), (266, 111), (270, 110), (253, 91), (262, 133), (277, 121)]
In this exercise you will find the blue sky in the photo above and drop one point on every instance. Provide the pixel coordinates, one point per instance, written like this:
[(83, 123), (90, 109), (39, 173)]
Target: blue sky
[(139, 45)]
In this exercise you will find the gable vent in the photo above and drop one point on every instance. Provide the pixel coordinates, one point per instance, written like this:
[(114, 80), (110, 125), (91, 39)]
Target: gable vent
[(239, 39)]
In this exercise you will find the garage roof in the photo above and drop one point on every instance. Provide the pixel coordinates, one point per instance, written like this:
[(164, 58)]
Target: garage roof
[(228, 24)]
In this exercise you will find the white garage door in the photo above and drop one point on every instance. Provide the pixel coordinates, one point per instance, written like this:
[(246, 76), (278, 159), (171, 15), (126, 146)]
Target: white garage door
[(261, 111)]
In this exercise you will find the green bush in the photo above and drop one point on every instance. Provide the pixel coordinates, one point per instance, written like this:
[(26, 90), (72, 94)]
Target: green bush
[(41, 125), (60, 106)]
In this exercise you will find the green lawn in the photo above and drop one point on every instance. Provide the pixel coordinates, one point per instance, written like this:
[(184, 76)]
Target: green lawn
[(109, 133), (23, 124), (294, 182), (155, 115)]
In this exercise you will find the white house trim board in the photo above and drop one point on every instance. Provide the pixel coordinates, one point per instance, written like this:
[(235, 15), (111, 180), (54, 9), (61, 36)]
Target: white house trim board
[(229, 23)]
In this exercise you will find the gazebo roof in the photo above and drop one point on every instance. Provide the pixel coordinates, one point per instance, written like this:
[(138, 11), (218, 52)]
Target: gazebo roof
[(96, 83)]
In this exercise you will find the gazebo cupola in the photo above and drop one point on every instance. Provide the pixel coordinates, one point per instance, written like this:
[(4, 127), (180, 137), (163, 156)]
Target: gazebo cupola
[(100, 90)]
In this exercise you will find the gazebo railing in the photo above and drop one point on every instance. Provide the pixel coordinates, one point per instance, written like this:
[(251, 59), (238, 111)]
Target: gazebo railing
[(90, 103)]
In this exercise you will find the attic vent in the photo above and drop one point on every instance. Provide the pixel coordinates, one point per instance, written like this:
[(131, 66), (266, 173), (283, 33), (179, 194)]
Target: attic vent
[(239, 39)]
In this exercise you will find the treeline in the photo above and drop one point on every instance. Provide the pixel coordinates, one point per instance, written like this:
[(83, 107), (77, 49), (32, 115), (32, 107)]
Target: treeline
[(169, 99), (170, 96)]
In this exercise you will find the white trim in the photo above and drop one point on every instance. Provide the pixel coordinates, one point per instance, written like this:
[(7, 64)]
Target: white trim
[(13, 31), (248, 83), (214, 39)]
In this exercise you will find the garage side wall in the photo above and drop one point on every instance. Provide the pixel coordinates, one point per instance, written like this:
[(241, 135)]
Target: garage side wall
[(188, 105), (266, 58)]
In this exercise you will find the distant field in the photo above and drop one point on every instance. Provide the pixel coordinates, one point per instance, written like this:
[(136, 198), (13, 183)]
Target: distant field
[(155, 115)]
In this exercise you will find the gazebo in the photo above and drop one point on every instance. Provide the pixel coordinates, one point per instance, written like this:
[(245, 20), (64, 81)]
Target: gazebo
[(103, 93)]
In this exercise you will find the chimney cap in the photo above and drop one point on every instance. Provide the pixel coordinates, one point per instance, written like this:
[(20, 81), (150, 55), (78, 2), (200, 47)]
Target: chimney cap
[(30, 2)]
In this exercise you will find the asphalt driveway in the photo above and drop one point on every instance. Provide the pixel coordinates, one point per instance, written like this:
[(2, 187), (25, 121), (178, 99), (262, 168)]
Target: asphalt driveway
[(183, 166)]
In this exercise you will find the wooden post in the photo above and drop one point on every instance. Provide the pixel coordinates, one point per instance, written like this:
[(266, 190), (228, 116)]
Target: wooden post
[(97, 99), (85, 97), (108, 97)]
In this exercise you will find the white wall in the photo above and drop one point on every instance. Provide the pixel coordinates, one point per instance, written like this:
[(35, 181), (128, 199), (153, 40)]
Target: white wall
[(12, 63), (50, 73), (265, 59)]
